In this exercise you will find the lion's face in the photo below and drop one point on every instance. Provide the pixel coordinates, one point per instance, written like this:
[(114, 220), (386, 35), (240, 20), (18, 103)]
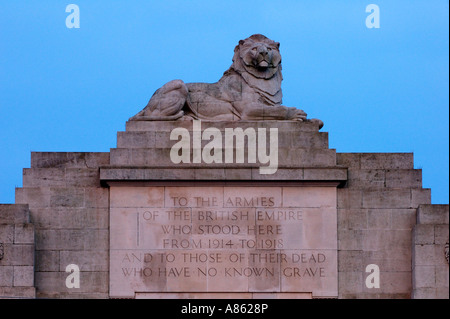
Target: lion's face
[(259, 56)]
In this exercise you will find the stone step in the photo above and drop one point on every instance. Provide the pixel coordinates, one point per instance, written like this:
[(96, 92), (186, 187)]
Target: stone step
[(161, 139), (14, 214), (69, 159), (384, 178), (376, 160), (433, 214), (161, 157), (167, 126)]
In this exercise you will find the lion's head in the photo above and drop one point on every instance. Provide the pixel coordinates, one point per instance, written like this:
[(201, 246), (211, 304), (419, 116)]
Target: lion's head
[(259, 56)]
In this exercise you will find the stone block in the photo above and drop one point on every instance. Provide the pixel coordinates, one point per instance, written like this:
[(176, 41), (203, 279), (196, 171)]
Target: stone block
[(349, 198), (47, 260), (393, 198), (303, 140), (442, 293), (351, 261), (423, 234), (111, 173), (403, 218), (428, 255), (238, 174), (6, 276), (24, 234), (441, 234), (393, 241), (23, 276), (69, 159), (424, 293), (432, 214), (404, 178), (120, 157), (19, 255), (162, 140), (309, 158), (6, 233), (72, 239), (387, 161), (82, 177), (420, 196), (67, 197), (379, 218), (33, 196), (350, 282), (374, 178), (442, 276), (208, 174), (352, 219), (86, 260), (350, 239), (49, 177), (350, 160), (14, 213), (70, 217), (96, 197), (136, 139), (424, 277)]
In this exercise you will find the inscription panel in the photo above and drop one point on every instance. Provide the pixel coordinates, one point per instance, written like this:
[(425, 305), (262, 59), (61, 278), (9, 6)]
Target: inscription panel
[(223, 239)]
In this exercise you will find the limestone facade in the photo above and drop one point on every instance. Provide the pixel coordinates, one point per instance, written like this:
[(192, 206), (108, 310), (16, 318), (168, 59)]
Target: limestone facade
[(63, 213)]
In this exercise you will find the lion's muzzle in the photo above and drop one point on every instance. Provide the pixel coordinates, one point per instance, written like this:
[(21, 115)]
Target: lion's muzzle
[(264, 57)]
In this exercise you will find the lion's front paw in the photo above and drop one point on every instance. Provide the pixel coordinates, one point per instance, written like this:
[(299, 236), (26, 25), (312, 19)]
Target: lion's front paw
[(296, 114)]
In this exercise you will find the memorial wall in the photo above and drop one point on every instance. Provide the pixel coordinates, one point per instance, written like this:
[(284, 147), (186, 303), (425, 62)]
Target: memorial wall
[(219, 191)]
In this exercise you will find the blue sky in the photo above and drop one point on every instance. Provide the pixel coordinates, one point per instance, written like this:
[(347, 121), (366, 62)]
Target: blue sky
[(377, 90)]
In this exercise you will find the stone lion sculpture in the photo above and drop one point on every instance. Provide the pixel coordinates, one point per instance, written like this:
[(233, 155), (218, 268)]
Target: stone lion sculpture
[(249, 90)]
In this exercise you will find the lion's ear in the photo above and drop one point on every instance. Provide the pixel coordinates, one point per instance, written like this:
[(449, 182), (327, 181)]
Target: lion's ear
[(277, 44), (241, 42)]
